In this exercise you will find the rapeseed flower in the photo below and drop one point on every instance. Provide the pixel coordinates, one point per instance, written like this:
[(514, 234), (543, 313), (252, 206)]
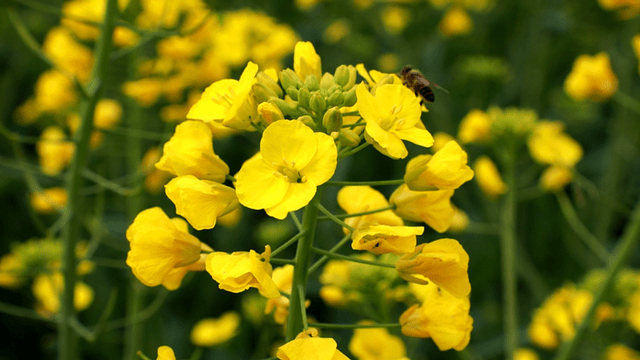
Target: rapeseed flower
[(54, 152), (475, 127), (358, 199), (591, 78), (395, 19), (455, 22), (190, 152), (442, 317), (283, 278), (445, 170), (201, 202), (306, 61), (68, 54), (210, 331), (444, 262), (241, 270), (431, 207), (620, 352), (49, 200), (162, 251), (166, 353), (548, 144), (392, 115), (54, 91), (376, 344), (488, 177), (555, 178), (293, 161), (384, 239), (47, 289), (525, 354), (308, 346)]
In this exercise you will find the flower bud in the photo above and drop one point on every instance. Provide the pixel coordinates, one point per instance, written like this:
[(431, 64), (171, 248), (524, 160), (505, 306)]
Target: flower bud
[(304, 96), (266, 80), (317, 102), (312, 82), (293, 93), (336, 99), (348, 137), (269, 113), (289, 78), (332, 119), (283, 106), (352, 78), (327, 81), (262, 93), (308, 120), (342, 75), (350, 97)]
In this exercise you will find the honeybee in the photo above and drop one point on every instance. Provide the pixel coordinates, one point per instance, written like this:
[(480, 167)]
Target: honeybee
[(414, 80)]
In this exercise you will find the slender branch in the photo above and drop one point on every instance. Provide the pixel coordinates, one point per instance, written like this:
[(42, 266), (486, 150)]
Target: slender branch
[(335, 248), (627, 101), (287, 243), (296, 221), (22, 312), (351, 258), (353, 326), (282, 261), (345, 216), (365, 183), (346, 153), (334, 218)]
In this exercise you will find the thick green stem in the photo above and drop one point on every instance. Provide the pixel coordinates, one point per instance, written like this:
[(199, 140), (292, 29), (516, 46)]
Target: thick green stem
[(625, 247), (508, 258), (297, 313), (67, 338)]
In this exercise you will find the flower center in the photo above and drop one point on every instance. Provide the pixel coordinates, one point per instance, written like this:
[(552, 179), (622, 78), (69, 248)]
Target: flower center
[(391, 121), (289, 172), (224, 98)]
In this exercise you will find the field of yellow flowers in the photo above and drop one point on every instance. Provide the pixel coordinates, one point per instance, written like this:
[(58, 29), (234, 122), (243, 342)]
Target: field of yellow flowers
[(322, 180)]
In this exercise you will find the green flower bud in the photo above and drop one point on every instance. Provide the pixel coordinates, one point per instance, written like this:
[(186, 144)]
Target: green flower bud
[(262, 93), (349, 137), (312, 82), (293, 93), (332, 119), (308, 120), (284, 107), (327, 81), (288, 78), (317, 102), (267, 81), (341, 75), (350, 97), (352, 77), (304, 96), (336, 99)]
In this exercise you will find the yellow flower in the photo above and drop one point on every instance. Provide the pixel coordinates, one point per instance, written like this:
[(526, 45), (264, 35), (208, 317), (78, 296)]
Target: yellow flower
[(358, 199), (336, 31), (392, 115), (440, 139), (292, 162), (11, 271), (431, 207), (620, 352), (54, 152), (447, 169), (49, 200), (488, 177), (383, 239), (376, 344), (162, 251), (229, 101), (633, 313), (395, 19), (550, 145), (442, 317), (525, 354), (123, 36), (201, 202), (210, 332), (145, 91), (591, 78), (283, 278), (306, 61), (241, 270), (555, 178), (626, 8), (475, 127), (635, 43), (443, 261), (47, 289), (456, 21), (68, 54), (54, 91), (166, 353), (460, 220), (231, 219), (107, 114), (308, 346), (190, 152)]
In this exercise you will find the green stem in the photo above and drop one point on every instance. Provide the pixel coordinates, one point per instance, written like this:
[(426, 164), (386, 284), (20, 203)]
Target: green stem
[(324, 258), (345, 216), (334, 218), (297, 312), (287, 244), (67, 339), (346, 153), (627, 101), (353, 326), (351, 258), (509, 257), (365, 183), (625, 248), (574, 221)]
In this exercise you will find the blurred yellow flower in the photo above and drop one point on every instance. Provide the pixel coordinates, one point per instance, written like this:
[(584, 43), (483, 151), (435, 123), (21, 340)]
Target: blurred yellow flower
[(376, 344), (550, 145), (384, 239), (475, 127), (336, 31), (443, 262), (162, 251), (440, 139), (283, 278), (431, 207), (54, 91), (284, 176), (145, 91), (107, 114), (456, 21), (54, 151), (11, 271), (306, 61), (388, 62), (190, 152), (620, 352), (358, 199), (555, 178), (47, 289), (626, 8), (123, 36), (68, 54), (460, 220), (211, 332), (49, 200), (488, 177), (591, 78), (633, 313), (166, 353), (447, 169), (392, 115), (525, 354), (442, 317), (201, 202), (241, 270), (635, 43), (307, 345), (395, 19), (231, 219)]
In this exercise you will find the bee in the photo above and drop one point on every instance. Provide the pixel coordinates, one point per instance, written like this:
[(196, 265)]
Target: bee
[(414, 80)]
